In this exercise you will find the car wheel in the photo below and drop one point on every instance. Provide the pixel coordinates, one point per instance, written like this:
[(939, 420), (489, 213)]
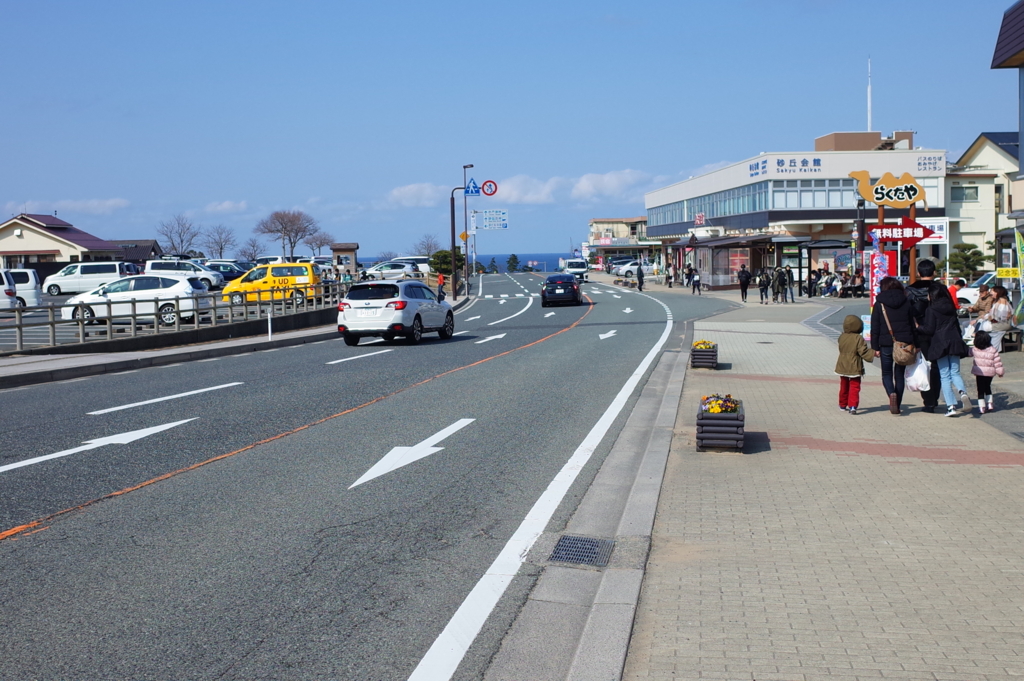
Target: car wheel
[(415, 333), (53, 290), (543, 302), (448, 330), (237, 299), (351, 340), (628, 273), (21, 303), (298, 297), (579, 301), (167, 315), (85, 313), (208, 284)]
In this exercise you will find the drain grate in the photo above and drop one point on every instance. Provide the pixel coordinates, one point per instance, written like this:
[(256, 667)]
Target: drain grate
[(582, 551)]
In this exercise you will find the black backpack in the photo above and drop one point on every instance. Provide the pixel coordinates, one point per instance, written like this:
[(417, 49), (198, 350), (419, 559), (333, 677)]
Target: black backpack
[(919, 300)]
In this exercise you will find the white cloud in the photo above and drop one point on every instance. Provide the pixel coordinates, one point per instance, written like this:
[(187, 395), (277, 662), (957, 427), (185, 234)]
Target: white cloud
[(526, 189), (419, 195), (226, 207), (89, 206), (710, 168), (617, 184)]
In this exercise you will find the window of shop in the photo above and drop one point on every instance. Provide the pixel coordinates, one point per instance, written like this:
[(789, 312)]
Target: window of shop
[(963, 194), (737, 257)]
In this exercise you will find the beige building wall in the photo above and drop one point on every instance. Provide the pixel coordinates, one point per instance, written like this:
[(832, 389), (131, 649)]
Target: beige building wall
[(990, 170), (20, 237)]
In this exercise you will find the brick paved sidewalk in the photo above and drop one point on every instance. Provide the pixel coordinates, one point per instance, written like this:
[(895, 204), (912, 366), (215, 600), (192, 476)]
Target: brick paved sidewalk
[(835, 546)]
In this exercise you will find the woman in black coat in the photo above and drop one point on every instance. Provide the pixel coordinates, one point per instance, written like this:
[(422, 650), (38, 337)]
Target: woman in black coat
[(893, 301), (946, 348)]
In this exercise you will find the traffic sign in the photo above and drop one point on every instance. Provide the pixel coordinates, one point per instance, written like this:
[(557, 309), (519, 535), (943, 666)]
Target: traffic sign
[(463, 236), (490, 187), (1007, 273), (909, 232), (494, 219), (471, 189)]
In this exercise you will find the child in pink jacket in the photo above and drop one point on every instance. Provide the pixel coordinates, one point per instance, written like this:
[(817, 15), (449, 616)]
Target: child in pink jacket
[(987, 365)]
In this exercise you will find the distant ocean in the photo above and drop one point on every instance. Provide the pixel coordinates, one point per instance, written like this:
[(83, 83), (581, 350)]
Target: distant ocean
[(547, 262)]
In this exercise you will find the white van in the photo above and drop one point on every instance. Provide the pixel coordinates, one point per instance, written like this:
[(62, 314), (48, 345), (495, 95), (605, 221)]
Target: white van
[(578, 268), (29, 288), (420, 262), (210, 278), (8, 299), (84, 276), (270, 259)]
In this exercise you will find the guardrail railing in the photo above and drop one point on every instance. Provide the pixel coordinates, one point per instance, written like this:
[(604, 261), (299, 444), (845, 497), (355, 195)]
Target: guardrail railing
[(45, 326)]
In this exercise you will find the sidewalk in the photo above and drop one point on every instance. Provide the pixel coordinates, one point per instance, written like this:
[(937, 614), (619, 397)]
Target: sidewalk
[(835, 546)]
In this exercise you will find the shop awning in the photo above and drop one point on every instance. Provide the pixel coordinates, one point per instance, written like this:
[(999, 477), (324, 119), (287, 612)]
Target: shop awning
[(824, 243), (722, 241)]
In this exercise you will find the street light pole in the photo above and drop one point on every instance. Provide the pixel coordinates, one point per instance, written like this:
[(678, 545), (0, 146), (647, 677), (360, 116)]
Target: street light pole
[(465, 223), (455, 288)]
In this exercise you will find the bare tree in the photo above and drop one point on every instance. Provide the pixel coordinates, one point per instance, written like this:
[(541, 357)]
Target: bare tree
[(289, 227), (318, 240), (386, 255), (217, 240), (251, 249), (179, 233), (427, 245)]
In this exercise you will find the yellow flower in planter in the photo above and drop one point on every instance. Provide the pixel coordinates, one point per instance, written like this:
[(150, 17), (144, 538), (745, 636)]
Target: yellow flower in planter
[(704, 345)]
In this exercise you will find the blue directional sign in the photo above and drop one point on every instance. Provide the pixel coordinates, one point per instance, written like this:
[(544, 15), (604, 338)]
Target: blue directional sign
[(472, 188)]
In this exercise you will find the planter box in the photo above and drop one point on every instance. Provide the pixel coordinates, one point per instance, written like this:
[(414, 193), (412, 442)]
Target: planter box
[(720, 430), (707, 359)]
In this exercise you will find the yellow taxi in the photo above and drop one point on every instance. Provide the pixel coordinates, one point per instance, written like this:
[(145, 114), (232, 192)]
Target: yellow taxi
[(274, 281)]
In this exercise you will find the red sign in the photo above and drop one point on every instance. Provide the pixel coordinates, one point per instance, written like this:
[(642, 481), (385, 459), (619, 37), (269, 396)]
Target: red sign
[(698, 220), (490, 187), (909, 232)]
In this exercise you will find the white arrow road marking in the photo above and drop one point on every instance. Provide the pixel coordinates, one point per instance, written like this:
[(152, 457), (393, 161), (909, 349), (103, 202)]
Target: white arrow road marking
[(471, 318), (550, 314), (615, 296), (122, 439), (164, 399), (402, 456), (628, 310), (490, 338), (502, 302), (529, 302), (602, 336), (368, 354), (459, 333)]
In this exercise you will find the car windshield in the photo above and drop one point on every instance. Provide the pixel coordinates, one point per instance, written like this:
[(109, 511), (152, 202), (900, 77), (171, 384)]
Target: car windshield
[(372, 292), (576, 265)]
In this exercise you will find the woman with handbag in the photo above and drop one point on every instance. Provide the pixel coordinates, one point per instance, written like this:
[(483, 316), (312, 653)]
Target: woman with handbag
[(946, 349), (892, 325), (1000, 316)]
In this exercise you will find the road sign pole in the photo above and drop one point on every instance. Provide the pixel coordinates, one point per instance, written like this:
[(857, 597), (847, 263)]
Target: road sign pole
[(455, 290)]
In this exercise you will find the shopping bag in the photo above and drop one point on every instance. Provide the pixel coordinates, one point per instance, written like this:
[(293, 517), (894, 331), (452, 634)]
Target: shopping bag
[(969, 332), (917, 374)]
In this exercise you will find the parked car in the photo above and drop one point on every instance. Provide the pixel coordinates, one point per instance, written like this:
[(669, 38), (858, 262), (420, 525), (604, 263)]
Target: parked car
[(969, 294), (85, 276), (211, 278), (28, 287), (420, 262), (148, 291), (269, 259), (578, 268), (391, 270), (229, 270), (388, 309), (630, 268), (278, 281), (561, 288), (8, 298)]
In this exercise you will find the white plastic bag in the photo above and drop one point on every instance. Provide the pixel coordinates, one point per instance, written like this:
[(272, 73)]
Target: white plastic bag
[(917, 374)]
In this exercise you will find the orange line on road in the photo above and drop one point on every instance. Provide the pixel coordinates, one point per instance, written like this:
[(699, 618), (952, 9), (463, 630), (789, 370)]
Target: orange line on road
[(20, 529)]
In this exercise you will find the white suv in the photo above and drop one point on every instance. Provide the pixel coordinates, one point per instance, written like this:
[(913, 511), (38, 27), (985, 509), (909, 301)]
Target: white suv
[(211, 278), (577, 268)]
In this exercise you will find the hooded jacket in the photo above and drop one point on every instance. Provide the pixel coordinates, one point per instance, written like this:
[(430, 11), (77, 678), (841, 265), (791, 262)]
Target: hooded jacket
[(853, 351), (941, 324), (901, 317), (986, 362)]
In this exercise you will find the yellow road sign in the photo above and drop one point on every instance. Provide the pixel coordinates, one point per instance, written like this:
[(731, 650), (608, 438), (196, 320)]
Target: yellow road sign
[(1008, 273), (463, 236)]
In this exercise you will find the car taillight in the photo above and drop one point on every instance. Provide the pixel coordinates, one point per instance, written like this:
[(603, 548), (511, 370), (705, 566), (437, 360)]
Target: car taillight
[(342, 306), (8, 292), (397, 304)]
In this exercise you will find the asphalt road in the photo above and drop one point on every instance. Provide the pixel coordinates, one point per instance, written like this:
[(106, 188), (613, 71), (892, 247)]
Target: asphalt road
[(236, 545)]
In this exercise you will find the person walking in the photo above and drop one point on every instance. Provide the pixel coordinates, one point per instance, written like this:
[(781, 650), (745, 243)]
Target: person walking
[(946, 348), (689, 274), (892, 320), (853, 352), (743, 276), (764, 282), (987, 365), (790, 282), (920, 294), (695, 283), (779, 286), (440, 286), (669, 270), (1000, 317), (640, 277)]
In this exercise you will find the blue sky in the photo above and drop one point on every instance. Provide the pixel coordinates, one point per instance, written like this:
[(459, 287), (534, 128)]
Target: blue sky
[(119, 115)]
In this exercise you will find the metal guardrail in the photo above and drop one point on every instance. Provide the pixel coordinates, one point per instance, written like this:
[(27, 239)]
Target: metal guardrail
[(55, 330)]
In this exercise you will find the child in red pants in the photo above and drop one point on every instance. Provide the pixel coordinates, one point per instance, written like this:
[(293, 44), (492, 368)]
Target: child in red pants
[(853, 350)]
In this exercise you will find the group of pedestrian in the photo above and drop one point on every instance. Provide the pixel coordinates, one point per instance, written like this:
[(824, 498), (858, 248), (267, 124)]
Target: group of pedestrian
[(826, 284), (778, 283), (920, 317)]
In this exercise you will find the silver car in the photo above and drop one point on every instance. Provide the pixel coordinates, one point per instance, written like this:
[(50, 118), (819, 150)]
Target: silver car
[(393, 308)]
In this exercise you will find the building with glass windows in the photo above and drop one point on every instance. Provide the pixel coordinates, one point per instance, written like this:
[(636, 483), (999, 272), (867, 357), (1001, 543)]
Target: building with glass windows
[(794, 208)]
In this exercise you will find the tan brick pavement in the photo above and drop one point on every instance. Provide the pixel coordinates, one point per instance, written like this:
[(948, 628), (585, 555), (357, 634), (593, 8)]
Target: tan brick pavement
[(835, 547)]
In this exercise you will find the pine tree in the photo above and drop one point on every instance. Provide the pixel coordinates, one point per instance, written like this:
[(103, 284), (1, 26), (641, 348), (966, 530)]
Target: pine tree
[(512, 264), (966, 261), (493, 267)]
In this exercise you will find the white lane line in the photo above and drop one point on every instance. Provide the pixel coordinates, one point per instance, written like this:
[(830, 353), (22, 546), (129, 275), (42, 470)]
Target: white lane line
[(375, 340), (490, 338), (369, 354), (318, 342), (488, 296), (447, 651), (212, 359), (602, 336), (504, 295), (521, 295), (529, 302), (169, 366), (164, 399), (459, 333), (122, 439), (471, 318), (550, 314), (403, 456), (122, 373)]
